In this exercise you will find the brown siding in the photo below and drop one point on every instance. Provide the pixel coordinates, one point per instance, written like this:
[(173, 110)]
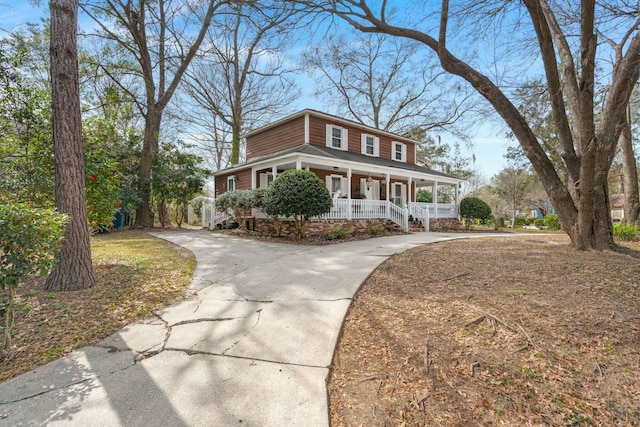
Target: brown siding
[(318, 132), (278, 138), (243, 181)]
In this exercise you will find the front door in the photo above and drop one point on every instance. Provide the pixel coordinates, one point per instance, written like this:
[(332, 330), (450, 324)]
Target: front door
[(371, 191)]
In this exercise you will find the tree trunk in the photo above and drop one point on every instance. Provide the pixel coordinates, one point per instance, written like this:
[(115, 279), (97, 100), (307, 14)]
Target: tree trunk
[(73, 270), (630, 176), (144, 214)]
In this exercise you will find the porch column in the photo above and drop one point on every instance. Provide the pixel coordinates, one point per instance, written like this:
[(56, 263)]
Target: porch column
[(457, 186), (349, 206), (435, 196), (410, 186), (274, 171), (388, 178), (299, 164), (253, 178)]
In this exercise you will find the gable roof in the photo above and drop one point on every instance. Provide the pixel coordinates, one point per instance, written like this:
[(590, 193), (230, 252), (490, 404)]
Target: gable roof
[(326, 152), (333, 119)]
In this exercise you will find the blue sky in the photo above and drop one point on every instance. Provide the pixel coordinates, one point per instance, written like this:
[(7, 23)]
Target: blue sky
[(489, 143)]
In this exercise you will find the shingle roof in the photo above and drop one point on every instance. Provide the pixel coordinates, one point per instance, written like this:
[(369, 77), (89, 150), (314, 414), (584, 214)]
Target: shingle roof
[(326, 152)]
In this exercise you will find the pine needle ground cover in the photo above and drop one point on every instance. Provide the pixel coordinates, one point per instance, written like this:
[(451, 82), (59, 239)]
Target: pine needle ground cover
[(518, 331), (136, 274)]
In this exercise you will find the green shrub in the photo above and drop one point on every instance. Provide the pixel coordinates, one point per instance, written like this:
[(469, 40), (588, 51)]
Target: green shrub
[(519, 222), (625, 232), (29, 238), (377, 229), (552, 222), (539, 222), (498, 222), (337, 232), (299, 194), (237, 203), (473, 207)]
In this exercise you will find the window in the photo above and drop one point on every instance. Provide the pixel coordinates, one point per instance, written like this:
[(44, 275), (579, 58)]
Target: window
[(337, 185), (266, 179), (370, 145), (399, 152), (399, 194), (337, 138), (231, 183)]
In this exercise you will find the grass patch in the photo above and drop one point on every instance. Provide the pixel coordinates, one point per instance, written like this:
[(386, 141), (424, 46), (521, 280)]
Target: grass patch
[(136, 274)]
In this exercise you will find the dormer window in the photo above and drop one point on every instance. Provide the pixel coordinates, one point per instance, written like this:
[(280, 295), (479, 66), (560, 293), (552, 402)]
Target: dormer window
[(337, 138), (370, 145), (399, 151)]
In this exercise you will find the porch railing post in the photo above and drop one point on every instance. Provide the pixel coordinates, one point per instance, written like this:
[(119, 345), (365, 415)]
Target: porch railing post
[(405, 219), (203, 216)]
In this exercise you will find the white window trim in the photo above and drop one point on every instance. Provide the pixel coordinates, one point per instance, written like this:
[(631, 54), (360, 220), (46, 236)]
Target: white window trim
[(376, 145), (231, 182), (343, 185), (344, 138), (394, 144), (403, 193), (264, 179)]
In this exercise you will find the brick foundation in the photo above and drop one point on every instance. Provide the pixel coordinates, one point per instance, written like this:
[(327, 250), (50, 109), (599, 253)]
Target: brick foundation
[(319, 227), (445, 224)]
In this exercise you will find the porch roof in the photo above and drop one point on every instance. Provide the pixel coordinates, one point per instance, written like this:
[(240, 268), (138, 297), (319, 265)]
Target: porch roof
[(330, 153)]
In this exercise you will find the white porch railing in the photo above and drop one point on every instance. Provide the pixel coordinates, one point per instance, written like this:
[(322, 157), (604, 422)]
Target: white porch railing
[(439, 210), (419, 213), (211, 217), (355, 209)]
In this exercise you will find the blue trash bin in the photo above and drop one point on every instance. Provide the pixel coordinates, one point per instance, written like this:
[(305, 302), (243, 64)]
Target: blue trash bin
[(118, 221)]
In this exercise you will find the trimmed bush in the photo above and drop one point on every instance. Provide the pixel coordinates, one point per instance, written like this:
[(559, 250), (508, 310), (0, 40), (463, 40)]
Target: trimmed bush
[(298, 194), (476, 208), (238, 203), (625, 232), (520, 222), (552, 222), (539, 222)]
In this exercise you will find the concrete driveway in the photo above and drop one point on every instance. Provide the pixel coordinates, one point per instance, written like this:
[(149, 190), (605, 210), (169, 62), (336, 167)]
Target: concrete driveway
[(252, 345)]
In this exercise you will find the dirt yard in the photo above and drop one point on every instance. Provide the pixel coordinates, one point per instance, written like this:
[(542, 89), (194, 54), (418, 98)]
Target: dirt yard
[(516, 331)]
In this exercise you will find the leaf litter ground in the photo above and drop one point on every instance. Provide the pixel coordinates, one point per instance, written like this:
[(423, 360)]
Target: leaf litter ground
[(517, 331)]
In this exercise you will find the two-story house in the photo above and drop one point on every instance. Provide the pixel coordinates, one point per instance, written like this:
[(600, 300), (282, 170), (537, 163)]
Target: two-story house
[(364, 168)]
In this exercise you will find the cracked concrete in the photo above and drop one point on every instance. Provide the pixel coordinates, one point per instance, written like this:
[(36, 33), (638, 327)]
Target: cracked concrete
[(252, 344)]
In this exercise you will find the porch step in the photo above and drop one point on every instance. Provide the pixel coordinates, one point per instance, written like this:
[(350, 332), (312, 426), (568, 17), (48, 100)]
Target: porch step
[(416, 227)]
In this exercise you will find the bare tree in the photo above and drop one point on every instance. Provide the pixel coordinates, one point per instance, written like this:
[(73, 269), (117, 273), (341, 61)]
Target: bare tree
[(241, 80), (631, 206), (162, 38), (383, 82), (74, 269), (512, 185), (587, 139)]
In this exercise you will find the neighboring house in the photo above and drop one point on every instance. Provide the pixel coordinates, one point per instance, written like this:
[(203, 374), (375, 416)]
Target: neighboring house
[(616, 202), (366, 170)]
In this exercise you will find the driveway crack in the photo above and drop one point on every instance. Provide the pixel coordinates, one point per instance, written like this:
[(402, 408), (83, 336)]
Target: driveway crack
[(224, 352)]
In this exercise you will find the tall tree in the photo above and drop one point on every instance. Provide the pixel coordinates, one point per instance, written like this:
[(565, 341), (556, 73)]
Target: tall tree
[(631, 205), (382, 82), (162, 38), (242, 80), (567, 49), (74, 269)]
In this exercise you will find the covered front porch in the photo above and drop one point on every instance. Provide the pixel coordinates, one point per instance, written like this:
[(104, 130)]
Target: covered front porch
[(370, 188), (346, 180)]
